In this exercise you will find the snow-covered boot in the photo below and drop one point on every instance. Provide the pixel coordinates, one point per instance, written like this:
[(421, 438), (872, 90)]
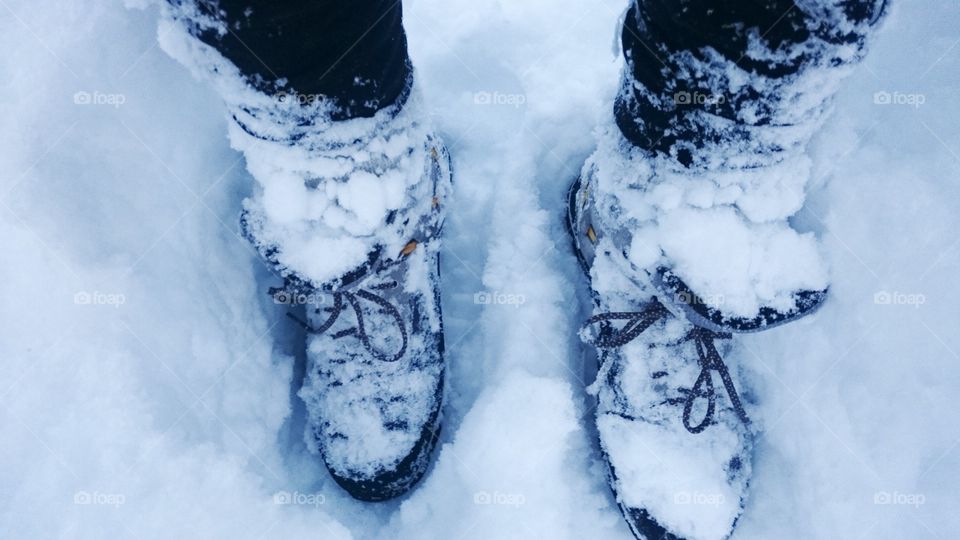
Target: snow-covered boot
[(671, 416), (673, 428), (374, 386), (374, 383)]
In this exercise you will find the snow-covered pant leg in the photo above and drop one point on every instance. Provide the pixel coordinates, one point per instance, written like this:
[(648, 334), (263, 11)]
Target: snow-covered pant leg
[(354, 53), (719, 99), (323, 106), (709, 81)]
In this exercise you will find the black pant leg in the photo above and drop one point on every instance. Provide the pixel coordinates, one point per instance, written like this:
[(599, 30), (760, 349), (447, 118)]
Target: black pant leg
[(680, 95), (351, 52)]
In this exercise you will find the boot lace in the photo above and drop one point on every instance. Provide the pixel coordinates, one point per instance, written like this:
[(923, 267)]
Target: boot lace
[(609, 337), (342, 300)]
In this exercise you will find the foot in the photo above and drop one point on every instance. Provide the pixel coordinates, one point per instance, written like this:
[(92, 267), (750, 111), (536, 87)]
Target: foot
[(349, 213), (374, 385), (673, 428)]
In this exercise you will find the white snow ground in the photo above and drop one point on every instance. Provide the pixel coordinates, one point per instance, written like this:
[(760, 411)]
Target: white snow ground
[(147, 381)]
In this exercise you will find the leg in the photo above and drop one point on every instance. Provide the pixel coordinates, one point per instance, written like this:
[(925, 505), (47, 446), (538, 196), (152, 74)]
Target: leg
[(354, 54), (703, 75), (681, 219), (320, 96), (718, 102), (348, 206)]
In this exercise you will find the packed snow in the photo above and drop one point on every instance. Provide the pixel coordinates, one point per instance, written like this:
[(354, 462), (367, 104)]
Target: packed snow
[(725, 233), (149, 382)]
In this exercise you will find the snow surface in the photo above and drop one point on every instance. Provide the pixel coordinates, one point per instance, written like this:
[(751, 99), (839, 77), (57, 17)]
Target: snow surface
[(149, 383)]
